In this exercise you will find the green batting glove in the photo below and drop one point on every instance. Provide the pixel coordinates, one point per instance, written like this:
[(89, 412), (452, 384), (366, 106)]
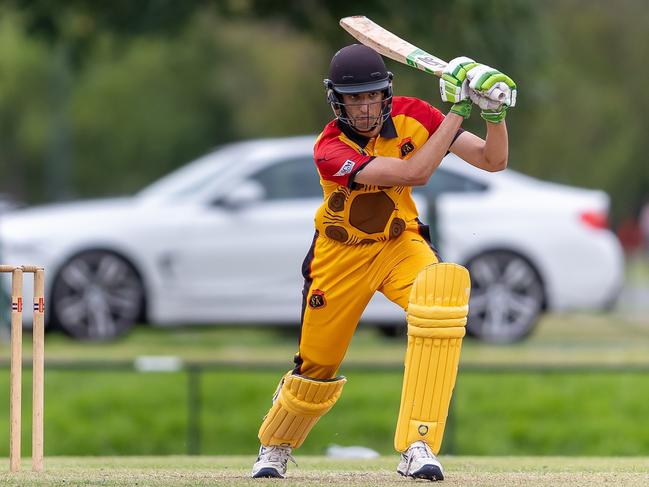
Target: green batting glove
[(453, 85), (462, 108), (492, 84), (494, 115)]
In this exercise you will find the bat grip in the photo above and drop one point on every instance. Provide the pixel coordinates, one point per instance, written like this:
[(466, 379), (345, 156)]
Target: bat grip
[(500, 95)]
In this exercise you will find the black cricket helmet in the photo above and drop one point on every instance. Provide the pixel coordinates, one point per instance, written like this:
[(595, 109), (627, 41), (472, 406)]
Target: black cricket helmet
[(358, 69)]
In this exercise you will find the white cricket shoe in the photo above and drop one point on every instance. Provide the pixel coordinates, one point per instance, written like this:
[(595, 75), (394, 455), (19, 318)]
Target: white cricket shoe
[(420, 462), (272, 461)]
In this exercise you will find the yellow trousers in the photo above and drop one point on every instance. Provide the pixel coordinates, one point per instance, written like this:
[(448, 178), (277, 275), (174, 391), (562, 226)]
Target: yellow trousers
[(339, 283)]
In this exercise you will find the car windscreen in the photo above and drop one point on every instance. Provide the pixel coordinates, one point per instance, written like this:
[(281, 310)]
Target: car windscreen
[(445, 181), (192, 177)]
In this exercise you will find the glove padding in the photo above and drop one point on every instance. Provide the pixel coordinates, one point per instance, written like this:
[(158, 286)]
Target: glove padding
[(462, 108), (492, 111), (453, 85), (495, 115), (483, 102), (491, 84)]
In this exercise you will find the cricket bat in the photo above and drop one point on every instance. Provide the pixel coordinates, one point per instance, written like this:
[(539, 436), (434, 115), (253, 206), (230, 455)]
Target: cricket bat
[(391, 46)]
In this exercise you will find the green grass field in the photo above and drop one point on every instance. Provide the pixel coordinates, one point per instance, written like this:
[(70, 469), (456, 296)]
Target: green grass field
[(321, 472), (526, 412), (522, 411), (119, 413)]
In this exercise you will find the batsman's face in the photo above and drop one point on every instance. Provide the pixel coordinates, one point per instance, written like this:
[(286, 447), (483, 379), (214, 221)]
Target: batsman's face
[(364, 109)]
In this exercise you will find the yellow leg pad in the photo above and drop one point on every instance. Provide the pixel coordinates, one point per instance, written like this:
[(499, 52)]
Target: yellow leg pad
[(437, 311), (301, 402)]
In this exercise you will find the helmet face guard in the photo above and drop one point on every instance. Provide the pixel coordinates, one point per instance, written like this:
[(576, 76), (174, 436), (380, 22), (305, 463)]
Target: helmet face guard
[(335, 99), (358, 69)]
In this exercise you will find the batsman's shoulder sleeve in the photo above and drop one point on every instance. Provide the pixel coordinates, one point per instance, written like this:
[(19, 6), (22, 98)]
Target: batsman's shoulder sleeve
[(337, 161), (427, 115)]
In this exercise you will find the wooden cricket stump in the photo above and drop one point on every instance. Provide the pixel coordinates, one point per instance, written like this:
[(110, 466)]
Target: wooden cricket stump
[(38, 367)]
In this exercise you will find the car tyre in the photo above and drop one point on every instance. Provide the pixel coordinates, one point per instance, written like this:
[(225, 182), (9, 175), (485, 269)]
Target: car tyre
[(507, 297), (97, 295)]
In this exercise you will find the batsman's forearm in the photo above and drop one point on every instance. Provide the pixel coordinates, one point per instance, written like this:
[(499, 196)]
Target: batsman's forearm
[(424, 162), (496, 150)]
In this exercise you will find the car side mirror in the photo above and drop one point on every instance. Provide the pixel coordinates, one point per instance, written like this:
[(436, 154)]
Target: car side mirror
[(245, 194)]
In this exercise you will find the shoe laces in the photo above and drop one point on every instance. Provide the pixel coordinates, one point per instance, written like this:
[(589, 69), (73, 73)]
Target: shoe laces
[(276, 454), (418, 450)]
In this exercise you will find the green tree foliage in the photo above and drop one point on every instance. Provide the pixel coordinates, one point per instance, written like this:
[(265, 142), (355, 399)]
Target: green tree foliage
[(145, 106), (142, 106), (23, 105), (139, 105), (98, 98), (589, 125)]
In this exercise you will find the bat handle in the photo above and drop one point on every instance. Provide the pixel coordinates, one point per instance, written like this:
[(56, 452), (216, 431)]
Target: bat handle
[(500, 95)]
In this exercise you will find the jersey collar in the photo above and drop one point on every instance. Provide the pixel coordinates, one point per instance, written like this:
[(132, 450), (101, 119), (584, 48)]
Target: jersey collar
[(388, 131)]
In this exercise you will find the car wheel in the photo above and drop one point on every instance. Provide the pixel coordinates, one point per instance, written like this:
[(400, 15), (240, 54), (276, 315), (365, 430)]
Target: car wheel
[(506, 297), (97, 295)]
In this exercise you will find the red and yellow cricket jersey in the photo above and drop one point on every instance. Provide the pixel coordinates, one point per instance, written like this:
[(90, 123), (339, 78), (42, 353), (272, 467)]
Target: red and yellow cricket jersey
[(354, 213), (341, 274)]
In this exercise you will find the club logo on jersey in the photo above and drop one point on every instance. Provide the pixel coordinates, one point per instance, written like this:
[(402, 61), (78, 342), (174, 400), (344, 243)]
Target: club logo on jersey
[(317, 299), (346, 168), (406, 146)]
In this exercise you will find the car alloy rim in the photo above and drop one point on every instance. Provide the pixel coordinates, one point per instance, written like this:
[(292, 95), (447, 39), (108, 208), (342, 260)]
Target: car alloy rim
[(98, 295), (506, 296)]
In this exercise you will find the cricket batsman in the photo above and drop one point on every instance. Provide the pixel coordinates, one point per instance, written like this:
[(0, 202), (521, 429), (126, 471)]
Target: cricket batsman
[(368, 238)]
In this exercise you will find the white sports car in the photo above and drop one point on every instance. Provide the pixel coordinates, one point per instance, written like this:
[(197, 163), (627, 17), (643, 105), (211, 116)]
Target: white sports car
[(221, 240)]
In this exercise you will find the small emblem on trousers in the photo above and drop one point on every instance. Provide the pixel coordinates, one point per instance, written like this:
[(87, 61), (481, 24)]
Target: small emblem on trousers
[(317, 299), (422, 430)]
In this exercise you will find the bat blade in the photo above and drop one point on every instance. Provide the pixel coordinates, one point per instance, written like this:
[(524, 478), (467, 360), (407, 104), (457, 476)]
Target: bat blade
[(391, 46)]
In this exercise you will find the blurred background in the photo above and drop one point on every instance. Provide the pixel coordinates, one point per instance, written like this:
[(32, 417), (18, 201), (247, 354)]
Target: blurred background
[(101, 100)]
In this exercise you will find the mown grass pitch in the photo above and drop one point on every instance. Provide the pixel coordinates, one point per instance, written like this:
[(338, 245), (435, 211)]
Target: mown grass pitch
[(320, 471)]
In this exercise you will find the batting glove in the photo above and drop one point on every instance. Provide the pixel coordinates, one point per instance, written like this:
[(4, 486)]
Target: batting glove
[(453, 85), (462, 108), (492, 84)]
